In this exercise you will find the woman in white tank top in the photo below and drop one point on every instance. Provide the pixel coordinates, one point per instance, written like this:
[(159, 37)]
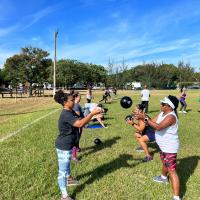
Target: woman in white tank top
[(166, 126)]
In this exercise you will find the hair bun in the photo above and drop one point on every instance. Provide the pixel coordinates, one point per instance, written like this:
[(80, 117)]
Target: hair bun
[(59, 97)]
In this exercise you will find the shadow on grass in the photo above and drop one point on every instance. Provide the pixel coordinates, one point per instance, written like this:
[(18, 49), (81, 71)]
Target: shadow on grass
[(185, 169), (105, 169), (22, 113), (106, 144), (154, 146), (107, 118)]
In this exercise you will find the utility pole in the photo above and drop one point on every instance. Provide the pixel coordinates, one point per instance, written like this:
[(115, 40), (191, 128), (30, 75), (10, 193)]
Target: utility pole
[(54, 67)]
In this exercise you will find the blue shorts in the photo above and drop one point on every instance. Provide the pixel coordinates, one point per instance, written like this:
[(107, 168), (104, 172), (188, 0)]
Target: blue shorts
[(151, 136)]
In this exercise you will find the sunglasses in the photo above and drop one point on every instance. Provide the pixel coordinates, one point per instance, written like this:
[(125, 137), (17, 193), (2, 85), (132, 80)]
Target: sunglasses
[(164, 104)]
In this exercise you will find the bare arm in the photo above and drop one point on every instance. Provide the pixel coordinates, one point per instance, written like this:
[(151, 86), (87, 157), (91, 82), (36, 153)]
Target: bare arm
[(155, 119), (140, 126), (168, 121), (78, 113), (81, 122)]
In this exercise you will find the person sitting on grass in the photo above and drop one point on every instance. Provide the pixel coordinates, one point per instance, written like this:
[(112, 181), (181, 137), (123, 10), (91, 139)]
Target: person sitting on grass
[(89, 108), (144, 133), (68, 125)]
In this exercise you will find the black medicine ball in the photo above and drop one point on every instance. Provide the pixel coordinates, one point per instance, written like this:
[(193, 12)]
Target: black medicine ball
[(126, 102), (128, 117), (97, 141)]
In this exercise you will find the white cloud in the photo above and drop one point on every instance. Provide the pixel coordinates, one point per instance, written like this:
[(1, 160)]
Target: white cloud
[(8, 30), (34, 18)]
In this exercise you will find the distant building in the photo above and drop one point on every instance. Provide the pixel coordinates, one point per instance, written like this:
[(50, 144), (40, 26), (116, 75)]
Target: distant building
[(136, 85)]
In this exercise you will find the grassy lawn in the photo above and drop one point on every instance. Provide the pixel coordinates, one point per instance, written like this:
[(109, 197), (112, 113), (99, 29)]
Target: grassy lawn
[(114, 171)]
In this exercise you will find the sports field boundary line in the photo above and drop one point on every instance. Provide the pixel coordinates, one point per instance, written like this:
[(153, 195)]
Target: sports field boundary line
[(9, 135)]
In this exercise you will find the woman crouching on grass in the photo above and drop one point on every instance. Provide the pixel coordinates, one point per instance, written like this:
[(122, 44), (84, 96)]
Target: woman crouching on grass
[(166, 126), (144, 133), (68, 125)]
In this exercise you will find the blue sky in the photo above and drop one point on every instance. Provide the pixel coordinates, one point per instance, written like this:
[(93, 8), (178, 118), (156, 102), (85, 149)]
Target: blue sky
[(93, 31)]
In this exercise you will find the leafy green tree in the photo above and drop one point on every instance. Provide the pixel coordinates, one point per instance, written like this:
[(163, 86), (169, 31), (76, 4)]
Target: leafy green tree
[(1, 77), (31, 66), (96, 74), (166, 76), (69, 72), (12, 69), (66, 72), (185, 74)]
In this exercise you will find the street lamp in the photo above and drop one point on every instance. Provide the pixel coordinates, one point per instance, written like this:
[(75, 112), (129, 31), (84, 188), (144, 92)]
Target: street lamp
[(54, 67)]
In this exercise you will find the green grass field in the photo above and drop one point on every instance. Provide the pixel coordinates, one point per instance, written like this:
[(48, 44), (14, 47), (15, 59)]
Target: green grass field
[(114, 171)]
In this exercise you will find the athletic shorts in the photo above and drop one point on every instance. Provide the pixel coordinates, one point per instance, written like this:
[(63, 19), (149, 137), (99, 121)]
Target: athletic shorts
[(169, 160), (151, 136)]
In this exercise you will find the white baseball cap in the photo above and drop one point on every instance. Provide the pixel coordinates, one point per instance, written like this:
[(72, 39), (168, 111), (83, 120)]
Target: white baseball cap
[(167, 101)]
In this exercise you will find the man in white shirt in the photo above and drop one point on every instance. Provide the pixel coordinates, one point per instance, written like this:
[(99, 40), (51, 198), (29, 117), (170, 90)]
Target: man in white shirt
[(145, 94)]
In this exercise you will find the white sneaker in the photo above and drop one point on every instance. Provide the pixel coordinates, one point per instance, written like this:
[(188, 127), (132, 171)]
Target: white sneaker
[(180, 111), (184, 111)]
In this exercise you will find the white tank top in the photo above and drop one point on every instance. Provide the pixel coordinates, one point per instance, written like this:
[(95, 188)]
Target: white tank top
[(167, 139)]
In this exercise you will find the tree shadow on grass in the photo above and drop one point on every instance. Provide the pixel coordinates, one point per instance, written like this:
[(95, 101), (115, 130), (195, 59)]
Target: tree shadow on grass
[(185, 169), (106, 144), (105, 169), (154, 146)]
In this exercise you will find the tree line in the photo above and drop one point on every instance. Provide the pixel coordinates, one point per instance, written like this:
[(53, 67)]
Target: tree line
[(32, 65), (158, 76)]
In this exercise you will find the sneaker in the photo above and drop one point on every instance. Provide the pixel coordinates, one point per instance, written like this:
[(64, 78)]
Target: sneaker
[(184, 111), (147, 159), (159, 179), (139, 149), (71, 181), (180, 111), (66, 198)]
